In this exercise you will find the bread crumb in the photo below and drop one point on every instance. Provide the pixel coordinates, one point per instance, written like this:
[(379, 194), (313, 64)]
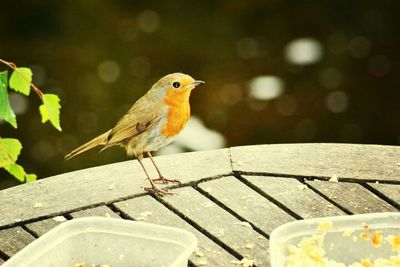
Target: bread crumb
[(201, 263), (364, 236), (245, 224), (245, 262), (59, 219), (394, 242), (302, 187), (249, 246), (249, 197), (111, 187), (221, 232), (38, 205), (199, 254), (334, 179), (348, 232), (325, 226), (143, 216), (377, 238)]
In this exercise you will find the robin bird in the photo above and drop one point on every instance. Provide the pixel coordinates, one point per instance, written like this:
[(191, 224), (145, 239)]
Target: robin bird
[(151, 123)]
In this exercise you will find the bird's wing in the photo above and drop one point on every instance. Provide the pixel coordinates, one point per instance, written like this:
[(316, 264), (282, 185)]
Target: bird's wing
[(139, 119)]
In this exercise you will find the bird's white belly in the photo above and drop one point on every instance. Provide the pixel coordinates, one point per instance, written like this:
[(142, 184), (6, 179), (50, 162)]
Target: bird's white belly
[(151, 140)]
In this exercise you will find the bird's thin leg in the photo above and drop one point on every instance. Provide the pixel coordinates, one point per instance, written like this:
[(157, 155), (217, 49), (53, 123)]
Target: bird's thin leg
[(161, 178), (153, 188)]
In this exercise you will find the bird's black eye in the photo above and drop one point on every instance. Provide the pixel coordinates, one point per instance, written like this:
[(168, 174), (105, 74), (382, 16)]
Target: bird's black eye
[(176, 84)]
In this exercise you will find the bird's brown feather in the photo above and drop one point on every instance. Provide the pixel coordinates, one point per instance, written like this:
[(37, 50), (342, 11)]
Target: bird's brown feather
[(139, 118)]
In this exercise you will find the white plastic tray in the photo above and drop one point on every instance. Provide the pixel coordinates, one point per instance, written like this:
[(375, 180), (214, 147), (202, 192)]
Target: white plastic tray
[(97, 240), (338, 247)]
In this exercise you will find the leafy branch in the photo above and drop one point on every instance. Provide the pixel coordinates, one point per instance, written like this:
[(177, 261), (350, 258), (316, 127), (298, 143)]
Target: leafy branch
[(26, 75), (21, 82)]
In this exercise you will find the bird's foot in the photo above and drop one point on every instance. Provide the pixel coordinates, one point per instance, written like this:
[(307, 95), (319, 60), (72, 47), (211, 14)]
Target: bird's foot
[(163, 180), (156, 191)]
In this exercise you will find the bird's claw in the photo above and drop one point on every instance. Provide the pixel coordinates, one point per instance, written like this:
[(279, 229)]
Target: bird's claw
[(156, 191), (163, 180)]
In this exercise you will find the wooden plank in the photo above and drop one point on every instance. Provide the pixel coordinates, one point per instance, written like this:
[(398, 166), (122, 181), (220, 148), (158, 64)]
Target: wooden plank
[(150, 210), (41, 227), (104, 184), (220, 224), (294, 195), (102, 211), (247, 203), (391, 191), (352, 196), (13, 240), (370, 162)]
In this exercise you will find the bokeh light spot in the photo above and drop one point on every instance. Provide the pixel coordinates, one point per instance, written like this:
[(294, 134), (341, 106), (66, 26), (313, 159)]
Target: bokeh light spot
[(195, 136), (248, 48), (172, 148), (303, 51), (127, 30), (108, 71), (148, 21), (87, 122), (331, 78), (337, 101), (266, 87), (43, 150), (18, 103), (359, 47)]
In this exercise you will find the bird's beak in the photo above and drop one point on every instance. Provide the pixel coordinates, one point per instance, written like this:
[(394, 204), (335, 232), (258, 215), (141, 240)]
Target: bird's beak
[(196, 83)]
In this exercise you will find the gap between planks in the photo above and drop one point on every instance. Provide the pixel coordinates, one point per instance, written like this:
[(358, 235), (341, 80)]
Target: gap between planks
[(311, 177)]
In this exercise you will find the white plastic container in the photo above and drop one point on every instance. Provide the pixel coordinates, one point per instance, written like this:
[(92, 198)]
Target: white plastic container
[(97, 240), (338, 246)]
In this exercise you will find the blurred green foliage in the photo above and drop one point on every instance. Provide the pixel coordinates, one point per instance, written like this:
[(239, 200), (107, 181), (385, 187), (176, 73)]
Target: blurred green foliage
[(10, 148)]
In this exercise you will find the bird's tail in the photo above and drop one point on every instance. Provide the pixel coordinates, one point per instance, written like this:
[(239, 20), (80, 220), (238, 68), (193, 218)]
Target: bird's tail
[(99, 140)]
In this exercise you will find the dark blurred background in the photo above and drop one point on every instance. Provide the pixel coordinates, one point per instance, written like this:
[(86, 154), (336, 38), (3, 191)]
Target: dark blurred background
[(276, 71)]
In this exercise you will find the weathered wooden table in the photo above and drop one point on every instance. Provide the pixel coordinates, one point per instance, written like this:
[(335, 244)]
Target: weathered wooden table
[(231, 199)]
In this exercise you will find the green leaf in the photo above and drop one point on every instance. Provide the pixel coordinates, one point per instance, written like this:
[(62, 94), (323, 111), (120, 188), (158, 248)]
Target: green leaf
[(51, 110), (17, 171), (10, 148), (6, 113), (30, 178), (20, 80), (43, 113)]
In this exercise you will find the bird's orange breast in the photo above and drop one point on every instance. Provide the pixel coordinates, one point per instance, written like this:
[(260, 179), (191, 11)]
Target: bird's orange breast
[(178, 112)]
